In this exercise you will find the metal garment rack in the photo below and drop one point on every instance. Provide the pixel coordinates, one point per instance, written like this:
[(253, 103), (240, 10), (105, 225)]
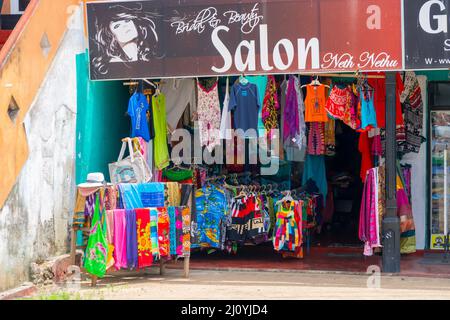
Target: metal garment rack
[(345, 75)]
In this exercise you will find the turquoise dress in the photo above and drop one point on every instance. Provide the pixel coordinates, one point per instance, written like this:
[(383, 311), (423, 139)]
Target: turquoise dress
[(261, 84), (368, 115)]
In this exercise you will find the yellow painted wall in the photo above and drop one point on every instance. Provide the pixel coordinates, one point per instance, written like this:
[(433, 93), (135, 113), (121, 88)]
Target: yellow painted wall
[(23, 68)]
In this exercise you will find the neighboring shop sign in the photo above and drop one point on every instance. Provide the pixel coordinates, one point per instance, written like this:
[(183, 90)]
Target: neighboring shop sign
[(427, 41), (437, 241), (175, 38)]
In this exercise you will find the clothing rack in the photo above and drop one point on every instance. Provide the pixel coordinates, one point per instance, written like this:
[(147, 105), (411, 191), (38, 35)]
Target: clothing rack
[(135, 83), (344, 75), (86, 230), (230, 175)]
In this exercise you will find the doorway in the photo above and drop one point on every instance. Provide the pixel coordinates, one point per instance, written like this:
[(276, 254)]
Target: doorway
[(340, 219)]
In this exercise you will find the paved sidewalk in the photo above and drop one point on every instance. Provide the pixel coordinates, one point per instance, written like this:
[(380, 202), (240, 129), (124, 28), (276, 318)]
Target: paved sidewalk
[(225, 285)]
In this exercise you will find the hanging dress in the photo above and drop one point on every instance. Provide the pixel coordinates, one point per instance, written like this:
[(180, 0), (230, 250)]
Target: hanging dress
[(225, 121), (368, 115), (288, 231), (271, 107), (161, 150), (315, 102), (208, 110), (337, 102)]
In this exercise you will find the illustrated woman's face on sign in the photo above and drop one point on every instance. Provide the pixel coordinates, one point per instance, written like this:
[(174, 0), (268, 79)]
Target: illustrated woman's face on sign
[(124, 30), (124, 34)]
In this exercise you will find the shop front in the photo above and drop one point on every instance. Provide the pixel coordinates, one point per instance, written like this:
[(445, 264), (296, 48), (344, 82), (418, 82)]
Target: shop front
[(275, 136), (427, 49)]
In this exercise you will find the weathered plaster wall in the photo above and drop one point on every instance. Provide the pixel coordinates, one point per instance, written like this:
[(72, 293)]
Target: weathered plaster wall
[(34, 221)]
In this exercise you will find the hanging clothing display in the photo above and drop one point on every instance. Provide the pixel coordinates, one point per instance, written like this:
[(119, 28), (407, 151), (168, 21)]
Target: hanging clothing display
[(271, 106), (315, 170), (315, 102), (160, 147), (173, 194), (337, 102), (97, 248), (145, 258), (120, 239), (132, 247), (225, 123), (208, 110), (400, 122), (137, 110), (329, 137), (211, 208), (411, 98), (288, 227), (291, 126), (364, 147), (151, 195), (154, 236), (369, 229), (350, 117), (244, 101), (368, 116), (261, 83), (163, 232), (179, 93), (379, 86), (110, 237), (316, 138), (404, 211), (300, 139), (331, 163)]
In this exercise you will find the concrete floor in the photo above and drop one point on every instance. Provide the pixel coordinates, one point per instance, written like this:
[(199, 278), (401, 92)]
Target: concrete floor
[(233, 285), (350, 260)]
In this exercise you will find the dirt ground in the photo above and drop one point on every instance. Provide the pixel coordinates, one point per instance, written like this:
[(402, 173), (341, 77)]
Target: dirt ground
[(234, 285)]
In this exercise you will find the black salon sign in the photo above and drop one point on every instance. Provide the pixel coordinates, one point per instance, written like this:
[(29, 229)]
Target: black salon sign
[(427, 37), (185, 38)]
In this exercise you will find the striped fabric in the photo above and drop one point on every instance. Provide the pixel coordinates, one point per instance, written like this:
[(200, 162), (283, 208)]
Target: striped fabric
[(154, 232), (173, 230)]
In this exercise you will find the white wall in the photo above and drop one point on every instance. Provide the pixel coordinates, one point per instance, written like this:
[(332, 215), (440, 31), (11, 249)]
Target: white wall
[(35, 219)]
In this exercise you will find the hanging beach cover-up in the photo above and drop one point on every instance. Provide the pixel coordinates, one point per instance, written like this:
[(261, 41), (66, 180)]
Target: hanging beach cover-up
[(404, 212), (270, 107), (145, 258), (96, 250)]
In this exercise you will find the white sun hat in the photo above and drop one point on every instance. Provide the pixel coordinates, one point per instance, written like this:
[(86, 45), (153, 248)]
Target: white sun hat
[(94, 180)]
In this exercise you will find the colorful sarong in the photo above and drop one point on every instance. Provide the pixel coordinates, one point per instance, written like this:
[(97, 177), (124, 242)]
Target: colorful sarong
[(186, 217), (145, 258), (120, 240), (163, 232), (154, 232)]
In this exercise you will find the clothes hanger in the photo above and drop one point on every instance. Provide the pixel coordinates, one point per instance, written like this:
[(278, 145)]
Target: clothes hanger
[(315, 83), (151, 83), (243, 80), (242, 193)]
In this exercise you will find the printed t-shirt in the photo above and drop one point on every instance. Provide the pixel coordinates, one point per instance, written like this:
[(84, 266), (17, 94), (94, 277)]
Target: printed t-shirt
[(137, 110), (161, 151), (244, 101)]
